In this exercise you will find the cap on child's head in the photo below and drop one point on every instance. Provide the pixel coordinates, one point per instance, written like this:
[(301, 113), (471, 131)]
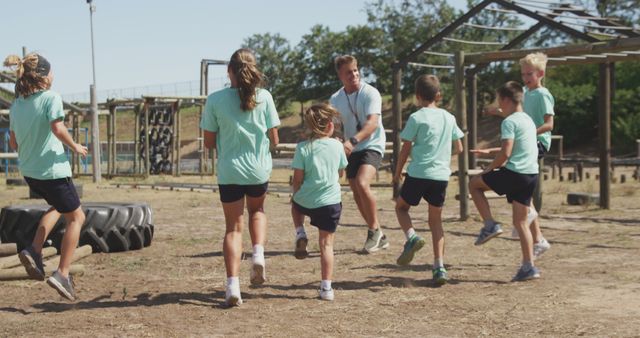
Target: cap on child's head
[(427, 87), (536, 60)]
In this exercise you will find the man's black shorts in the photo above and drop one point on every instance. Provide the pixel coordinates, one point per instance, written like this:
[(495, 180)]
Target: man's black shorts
[(358, 158), (60, 193), (518, 187)]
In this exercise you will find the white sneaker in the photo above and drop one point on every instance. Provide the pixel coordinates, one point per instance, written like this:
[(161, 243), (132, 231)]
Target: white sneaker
[(532, 214), (232, 296), (258, 271), (540, 248), (326, 294)]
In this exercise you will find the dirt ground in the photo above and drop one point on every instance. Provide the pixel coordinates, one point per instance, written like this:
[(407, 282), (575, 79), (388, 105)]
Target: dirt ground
[(590, 283)]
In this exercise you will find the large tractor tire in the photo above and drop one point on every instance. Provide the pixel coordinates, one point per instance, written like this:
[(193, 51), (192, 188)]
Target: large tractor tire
[(108, 227)]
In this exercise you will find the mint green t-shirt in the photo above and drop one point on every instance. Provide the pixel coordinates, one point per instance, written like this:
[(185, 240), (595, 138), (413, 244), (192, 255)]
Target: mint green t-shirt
[(362, 103), (242, 142), (40, 153), (321, 160), (431, 130), (520, 128), (538, 103)]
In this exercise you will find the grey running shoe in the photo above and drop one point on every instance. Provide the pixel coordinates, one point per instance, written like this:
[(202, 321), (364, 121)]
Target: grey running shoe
[(301, 248), (523, 275), (376, 240), (488, 233), (326, 294), (64, 286), (540, 248), (440, 276), (411, 246), (32, 262)]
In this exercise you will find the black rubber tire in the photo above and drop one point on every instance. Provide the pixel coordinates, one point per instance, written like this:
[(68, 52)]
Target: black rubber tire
[(78, 186), (16, 181), (108, 227)]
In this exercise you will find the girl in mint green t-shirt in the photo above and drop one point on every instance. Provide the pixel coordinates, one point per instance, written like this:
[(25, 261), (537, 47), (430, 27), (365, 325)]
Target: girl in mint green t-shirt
[(240, 123), (318, 164)]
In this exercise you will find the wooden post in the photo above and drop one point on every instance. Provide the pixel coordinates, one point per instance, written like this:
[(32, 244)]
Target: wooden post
[(397, 121), (8, 249), (109, 167), (604, 131), (114, 144), (76, 137), (11, 261), (136, 139), (472, 113), (21, 273), (461, 114), (147, 162)]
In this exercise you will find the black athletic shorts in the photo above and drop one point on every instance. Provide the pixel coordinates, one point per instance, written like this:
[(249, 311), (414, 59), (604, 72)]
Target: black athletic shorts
[(358, 158), (517, 187), (324, 218), (59, 193), (541, 150), (434, 192), (234, 192)]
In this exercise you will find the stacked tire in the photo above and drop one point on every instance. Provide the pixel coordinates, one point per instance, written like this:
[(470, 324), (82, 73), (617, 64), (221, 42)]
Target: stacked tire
[(108, 227)]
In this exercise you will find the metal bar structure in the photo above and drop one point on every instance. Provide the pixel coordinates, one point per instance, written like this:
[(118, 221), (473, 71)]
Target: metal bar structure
[(177, 138)]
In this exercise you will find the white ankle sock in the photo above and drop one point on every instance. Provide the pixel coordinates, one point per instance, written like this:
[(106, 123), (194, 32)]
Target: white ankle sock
[(409, 233), (258, 251), (438, 263), (300, 233), (233, 282), (325, 284)]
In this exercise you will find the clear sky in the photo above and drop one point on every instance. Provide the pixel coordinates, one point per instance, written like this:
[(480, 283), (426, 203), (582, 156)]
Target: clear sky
[(144, 42)]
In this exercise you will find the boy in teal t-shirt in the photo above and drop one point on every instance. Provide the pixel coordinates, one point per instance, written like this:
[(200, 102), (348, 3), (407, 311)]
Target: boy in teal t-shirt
[(516, 175), (37, 132), (429, 136), (317, 167)]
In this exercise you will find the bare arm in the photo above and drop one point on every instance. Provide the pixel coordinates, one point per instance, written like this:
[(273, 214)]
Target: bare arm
[(60, 131), (546, 126), (485, 151), (369, 127), (209, 139), (298, 177), (12, 141), (502, 156), (402, 159), (457, 147), (273, 137)]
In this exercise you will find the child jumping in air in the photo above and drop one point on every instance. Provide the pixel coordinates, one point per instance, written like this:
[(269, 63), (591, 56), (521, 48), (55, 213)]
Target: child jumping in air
[(38, 132), (318, 164), (513, 172), (429, 136)]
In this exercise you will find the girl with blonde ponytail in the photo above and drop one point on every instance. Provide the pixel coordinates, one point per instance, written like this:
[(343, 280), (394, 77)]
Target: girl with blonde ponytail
[(318, 164), (241, 124), (37, 131)]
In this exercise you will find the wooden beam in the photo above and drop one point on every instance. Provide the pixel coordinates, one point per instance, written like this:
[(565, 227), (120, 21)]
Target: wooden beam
[(461, 115), (397, 120), (11, 261), (443, 33), (610, 46)]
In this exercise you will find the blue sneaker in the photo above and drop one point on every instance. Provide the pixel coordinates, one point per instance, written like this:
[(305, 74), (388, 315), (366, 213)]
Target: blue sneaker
[(487, 234), (440, 276), (523, 275), (411, 246), (32, 262)]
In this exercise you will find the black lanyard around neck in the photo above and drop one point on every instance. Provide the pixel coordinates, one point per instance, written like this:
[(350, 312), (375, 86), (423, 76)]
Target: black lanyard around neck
[(353, 110)]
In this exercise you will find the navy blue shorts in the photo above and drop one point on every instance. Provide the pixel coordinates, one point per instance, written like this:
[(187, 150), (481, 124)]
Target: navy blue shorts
[(59, 193), (234, 192), (358, 158), (324, 218), (434, 192), (518, 187)]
